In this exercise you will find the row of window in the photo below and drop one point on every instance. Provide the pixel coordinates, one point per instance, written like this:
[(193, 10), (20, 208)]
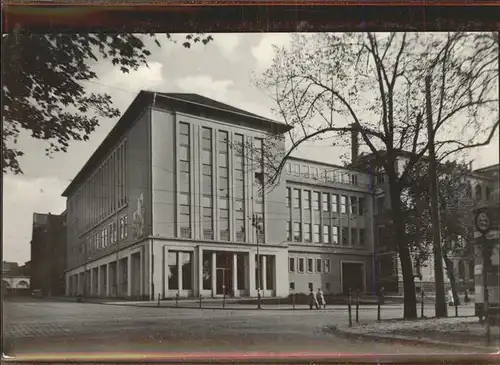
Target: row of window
[(318, 173), (223, 187), (107, 236), (302, 265), (329, 202), (103, 193), (329, 234)]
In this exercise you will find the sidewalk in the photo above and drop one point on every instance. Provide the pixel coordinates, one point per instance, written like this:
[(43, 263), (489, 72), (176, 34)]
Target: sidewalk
[(462, 332)]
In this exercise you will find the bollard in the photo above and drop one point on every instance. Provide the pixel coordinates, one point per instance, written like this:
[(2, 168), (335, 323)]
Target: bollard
[(177, 300), (158, 299), (422, 304), (357, 306), (293, 300), (349, 307), (378, 307), (200, 300)]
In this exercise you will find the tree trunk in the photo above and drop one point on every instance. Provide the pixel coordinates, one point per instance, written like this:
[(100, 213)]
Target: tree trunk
[(410, 297)]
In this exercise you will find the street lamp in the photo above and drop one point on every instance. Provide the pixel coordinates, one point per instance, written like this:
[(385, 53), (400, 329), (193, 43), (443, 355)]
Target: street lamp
[(485, 218)]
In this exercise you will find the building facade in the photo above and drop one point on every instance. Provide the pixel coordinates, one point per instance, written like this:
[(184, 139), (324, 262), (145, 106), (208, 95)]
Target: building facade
[(48, 253), (169, 204)]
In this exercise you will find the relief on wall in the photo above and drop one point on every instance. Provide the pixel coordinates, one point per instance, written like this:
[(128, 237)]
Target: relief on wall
[(139, 217)]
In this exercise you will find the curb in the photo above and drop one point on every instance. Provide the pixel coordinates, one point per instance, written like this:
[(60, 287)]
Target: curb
[(411, 341)]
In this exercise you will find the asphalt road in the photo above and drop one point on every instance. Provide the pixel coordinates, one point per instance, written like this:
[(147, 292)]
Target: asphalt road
[(45, 328)]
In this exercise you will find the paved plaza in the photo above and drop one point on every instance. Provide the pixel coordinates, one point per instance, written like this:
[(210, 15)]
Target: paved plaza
[(44, 327)]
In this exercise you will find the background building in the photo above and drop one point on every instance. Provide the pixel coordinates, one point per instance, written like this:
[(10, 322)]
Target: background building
[(48, 253), (15, 278)]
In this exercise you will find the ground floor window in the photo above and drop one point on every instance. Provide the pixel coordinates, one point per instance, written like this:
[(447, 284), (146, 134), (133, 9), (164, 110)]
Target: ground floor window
[(207, 270), (186, 261), (240, 274), (173, 271), (270, 272)]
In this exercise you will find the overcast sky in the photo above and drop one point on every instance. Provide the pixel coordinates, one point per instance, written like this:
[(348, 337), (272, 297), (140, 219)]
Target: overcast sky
[(223, 70)]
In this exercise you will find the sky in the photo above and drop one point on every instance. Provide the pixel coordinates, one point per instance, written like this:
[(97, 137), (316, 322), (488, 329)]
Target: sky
[(224, 70)]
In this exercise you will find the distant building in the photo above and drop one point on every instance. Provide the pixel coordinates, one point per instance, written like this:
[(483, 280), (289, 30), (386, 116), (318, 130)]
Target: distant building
[(48, 253), (14, 277)]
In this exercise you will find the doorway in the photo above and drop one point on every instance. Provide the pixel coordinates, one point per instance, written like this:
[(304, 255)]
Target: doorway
[(223, 281), (353, 277)]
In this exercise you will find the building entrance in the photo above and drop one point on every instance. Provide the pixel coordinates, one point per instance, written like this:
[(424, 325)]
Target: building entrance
[(224, 273)]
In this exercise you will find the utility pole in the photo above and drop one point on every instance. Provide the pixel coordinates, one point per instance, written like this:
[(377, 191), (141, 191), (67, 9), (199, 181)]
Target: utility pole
[(441, 309), (255, 223)]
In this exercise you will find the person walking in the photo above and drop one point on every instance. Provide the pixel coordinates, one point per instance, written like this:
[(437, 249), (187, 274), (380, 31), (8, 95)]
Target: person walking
[(313, 300), (321, 298)]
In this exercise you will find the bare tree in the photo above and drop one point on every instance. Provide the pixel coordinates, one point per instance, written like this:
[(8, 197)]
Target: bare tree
[(331, 84)]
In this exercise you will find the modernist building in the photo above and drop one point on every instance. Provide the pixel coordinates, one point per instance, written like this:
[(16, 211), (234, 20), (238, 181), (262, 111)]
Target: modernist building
[(48, 253), (172, 203), (165, 205)]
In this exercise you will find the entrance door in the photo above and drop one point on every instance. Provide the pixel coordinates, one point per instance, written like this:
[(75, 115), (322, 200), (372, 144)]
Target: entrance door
[(221, 279), (353, 277)]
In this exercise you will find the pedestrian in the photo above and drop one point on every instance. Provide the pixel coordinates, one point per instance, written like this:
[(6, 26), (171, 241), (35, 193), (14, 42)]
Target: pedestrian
[(321, 297), (466, 296), (313, 300), (451, 301)]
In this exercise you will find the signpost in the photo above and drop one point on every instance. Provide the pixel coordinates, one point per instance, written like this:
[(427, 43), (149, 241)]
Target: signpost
[(485, 221)]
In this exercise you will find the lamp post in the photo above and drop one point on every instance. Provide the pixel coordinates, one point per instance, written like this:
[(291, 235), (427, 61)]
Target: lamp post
[(485, 219), (258, 227)]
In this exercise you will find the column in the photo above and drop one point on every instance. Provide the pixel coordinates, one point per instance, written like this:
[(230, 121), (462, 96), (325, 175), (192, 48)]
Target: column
[(141, 274), (213, 274), (108, 281), (251, 275), (98, 281), (158, 265), (165, 271), (129, 276), (179, 271), (263, 273), (199, 274), (89, 283), (235, 275)]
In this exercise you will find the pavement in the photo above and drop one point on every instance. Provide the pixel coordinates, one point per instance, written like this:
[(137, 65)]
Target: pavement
[(47, 329)]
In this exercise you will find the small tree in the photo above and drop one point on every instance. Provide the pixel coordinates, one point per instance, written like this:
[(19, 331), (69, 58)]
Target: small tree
[(42, 85), (374, 84)]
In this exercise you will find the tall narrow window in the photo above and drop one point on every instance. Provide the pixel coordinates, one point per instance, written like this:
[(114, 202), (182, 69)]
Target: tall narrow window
[(223, 186), (362, 237), (335, 235), (296, 198), (289, 231), (354, 236), (207, 201), (291, 264), (326, 203), (123, 227), (307, 200), (259, 179), (184, 180), (307, 232), (288, 196), (297, 236), (361, 206), (316, 198), (239, 187), (316, 233), (343, 204), (354, 205), (345, 236), (335, 203), (326, 234)]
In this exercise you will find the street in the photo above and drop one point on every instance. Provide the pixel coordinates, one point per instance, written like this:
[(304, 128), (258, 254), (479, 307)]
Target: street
[(41, 328)]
